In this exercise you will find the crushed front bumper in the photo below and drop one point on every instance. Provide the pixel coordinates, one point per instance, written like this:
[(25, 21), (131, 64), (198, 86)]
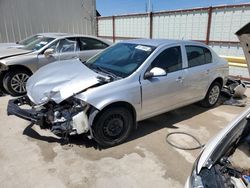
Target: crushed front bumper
[(14, 108)]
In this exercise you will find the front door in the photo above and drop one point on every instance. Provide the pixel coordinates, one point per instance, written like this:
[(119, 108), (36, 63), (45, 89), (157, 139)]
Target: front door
[(163, 93), (63, 49)]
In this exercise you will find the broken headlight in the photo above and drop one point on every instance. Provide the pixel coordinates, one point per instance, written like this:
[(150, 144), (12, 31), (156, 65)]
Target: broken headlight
[(196, 180), (64, 117)]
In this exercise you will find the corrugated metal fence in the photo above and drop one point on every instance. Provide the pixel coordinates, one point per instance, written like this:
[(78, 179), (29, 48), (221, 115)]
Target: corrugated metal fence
[(22, 18), (213, 25)]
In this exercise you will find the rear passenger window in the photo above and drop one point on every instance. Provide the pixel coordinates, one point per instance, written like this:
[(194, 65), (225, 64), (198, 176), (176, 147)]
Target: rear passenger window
[(198, 55), (208, 55), (170, 60)]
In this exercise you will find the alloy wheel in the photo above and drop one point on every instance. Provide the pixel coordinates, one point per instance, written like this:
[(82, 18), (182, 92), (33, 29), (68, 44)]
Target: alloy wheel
[(18, 82), (214, 94)]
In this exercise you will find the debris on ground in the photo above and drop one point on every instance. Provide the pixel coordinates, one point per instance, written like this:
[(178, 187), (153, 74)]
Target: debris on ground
[(233, 93)]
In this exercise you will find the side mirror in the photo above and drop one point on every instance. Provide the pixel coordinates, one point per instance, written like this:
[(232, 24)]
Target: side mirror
[(49, 52), (156, 71)]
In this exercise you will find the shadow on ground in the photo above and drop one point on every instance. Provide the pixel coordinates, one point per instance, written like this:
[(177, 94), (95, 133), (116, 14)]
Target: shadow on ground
[(80, 140), (2, 94), (166, 120)]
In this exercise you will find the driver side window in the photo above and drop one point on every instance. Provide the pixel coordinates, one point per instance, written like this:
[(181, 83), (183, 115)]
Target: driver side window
[(170, 59)]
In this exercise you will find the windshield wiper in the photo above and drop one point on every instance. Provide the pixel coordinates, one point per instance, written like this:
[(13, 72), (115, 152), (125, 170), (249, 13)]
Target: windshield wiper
[(106, 71)]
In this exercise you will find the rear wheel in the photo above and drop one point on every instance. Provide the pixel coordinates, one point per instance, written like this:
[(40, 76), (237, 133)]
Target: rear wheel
[(15, 82), (212, 96), (113, 126)]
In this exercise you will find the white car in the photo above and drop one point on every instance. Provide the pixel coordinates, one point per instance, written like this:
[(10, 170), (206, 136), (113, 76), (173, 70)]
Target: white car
[(18, 64), (225, 160)]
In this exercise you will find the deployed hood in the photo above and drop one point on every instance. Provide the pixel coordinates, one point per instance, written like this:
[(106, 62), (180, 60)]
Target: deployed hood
[(218, 146), (9, 52), (60, 80), (244, 37)]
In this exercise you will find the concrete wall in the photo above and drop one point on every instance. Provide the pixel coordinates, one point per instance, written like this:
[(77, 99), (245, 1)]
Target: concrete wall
[(183, 24), (22, 18)]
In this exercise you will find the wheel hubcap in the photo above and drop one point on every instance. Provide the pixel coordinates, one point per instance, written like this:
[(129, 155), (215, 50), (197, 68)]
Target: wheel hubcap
[(18, 82), (214, 94), (113, 126)]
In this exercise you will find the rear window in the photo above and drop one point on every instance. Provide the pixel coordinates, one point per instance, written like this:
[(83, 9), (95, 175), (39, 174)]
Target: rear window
[(92, 44), (198, 55)]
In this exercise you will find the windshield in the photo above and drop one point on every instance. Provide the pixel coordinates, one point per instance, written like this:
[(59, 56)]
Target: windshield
[(38, 43), (121, 59), (28, 40)]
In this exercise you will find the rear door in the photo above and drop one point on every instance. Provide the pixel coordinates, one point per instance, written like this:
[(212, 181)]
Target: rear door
[(89, 47), (163, 93), (199, 71)]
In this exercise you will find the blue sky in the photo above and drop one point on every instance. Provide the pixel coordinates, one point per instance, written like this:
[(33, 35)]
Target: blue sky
[(114, 7)]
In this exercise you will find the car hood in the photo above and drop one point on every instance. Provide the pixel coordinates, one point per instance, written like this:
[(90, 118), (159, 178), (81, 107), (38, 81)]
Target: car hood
[(60, 80), (208, 155), (10, 52), (216, 147), (244, 36)]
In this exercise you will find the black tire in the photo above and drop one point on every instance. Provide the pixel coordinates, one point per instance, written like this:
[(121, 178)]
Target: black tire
[(14, 82), (212, 96), (2, 89), (113, 126)]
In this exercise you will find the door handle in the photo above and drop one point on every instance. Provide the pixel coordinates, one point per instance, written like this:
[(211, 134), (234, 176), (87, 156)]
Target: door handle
[(179, 79)]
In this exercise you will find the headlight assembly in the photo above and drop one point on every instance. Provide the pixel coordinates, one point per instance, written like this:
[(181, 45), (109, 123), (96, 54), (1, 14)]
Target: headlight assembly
[(196, 181)]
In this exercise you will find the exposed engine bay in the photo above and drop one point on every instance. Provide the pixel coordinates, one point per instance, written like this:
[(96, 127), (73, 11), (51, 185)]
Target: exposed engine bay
[(64, 119), (232, 171)]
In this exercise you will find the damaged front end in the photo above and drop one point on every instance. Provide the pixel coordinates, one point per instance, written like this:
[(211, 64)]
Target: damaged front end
[(70, 117)]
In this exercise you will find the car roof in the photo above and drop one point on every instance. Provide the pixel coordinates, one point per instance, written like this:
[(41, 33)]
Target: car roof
[(53, 35), (65, 35), (159, 42)]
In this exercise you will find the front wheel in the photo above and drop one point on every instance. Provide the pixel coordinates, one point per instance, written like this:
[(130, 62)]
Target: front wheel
[(113, 126), (15, 81), (212, 96)]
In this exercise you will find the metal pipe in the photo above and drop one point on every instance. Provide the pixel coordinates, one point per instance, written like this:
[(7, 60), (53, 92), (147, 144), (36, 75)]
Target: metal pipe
[(210, 11)]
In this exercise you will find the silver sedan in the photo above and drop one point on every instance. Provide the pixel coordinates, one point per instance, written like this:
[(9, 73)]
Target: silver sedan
[(18, 64), (126, 83)]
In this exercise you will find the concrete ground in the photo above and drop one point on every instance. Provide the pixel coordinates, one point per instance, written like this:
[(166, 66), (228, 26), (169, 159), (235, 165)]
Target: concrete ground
[(30, 157)]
